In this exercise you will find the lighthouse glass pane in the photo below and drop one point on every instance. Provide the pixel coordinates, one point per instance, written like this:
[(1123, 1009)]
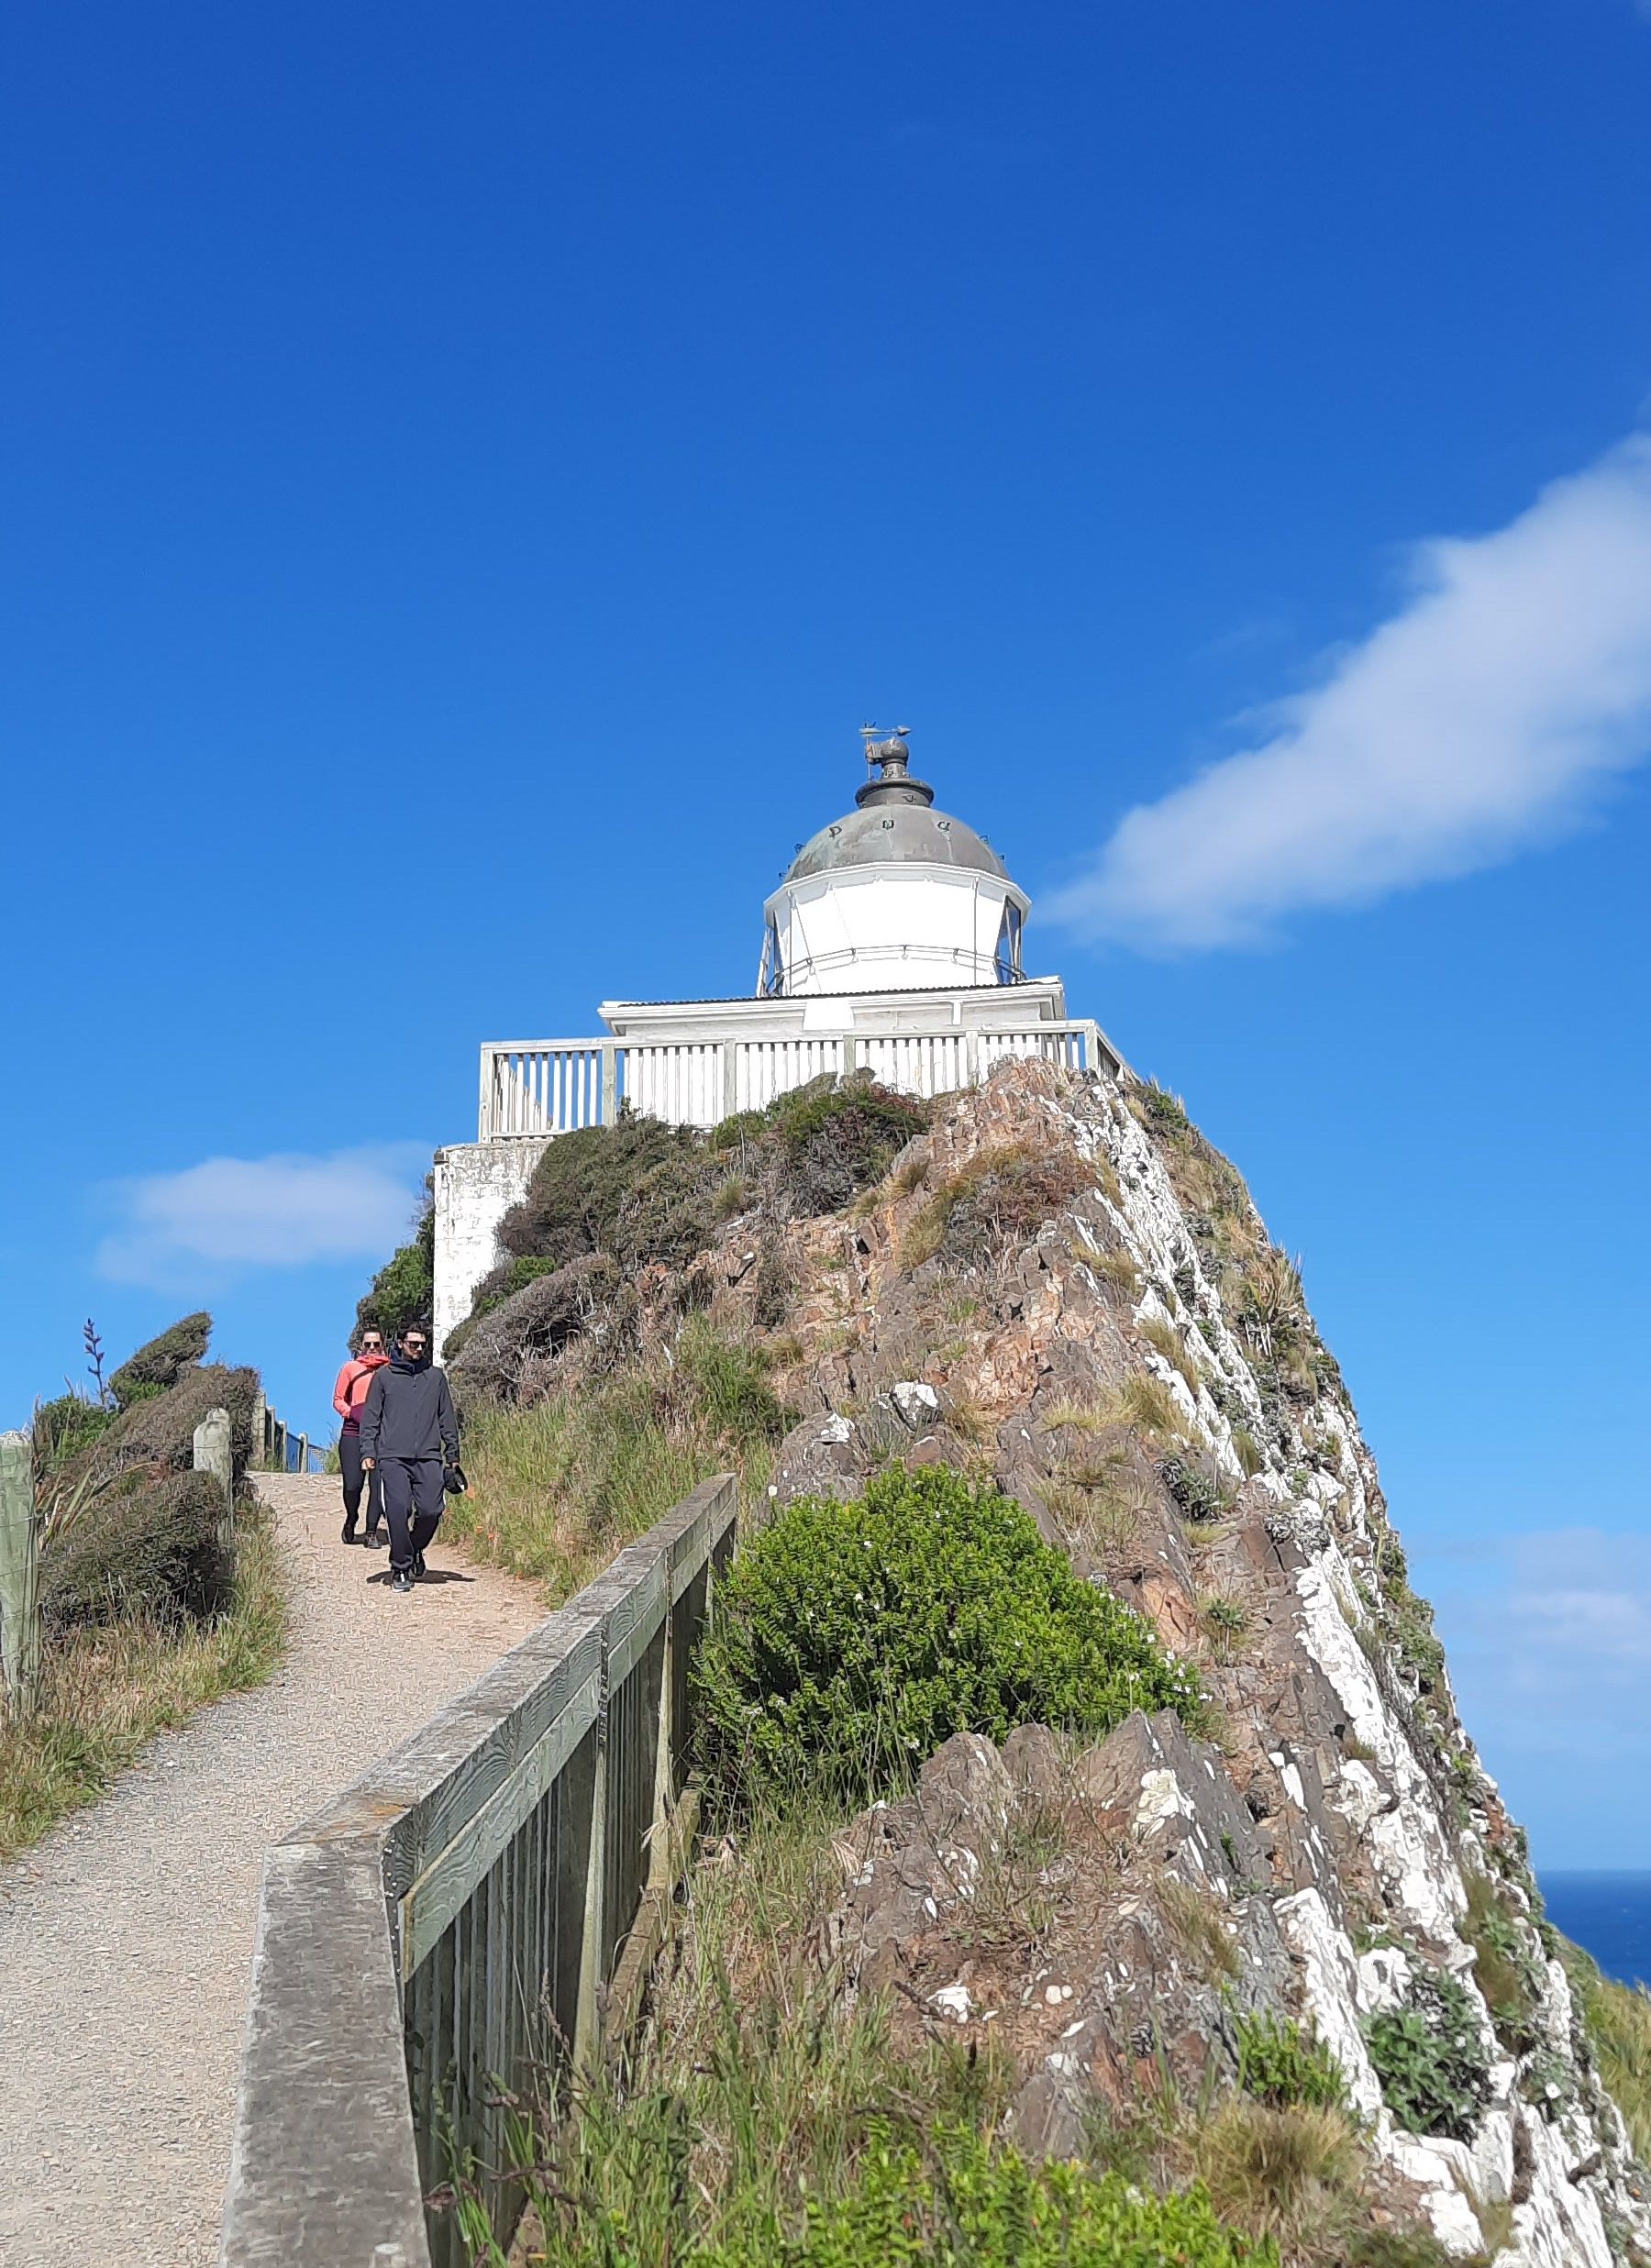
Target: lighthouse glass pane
[(1007, 959)]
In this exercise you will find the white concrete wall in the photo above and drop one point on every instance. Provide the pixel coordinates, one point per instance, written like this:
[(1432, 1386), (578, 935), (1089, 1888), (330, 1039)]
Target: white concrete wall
[(476, 1185)]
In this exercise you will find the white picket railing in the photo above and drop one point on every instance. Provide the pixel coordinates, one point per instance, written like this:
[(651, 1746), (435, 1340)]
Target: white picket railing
[(555, 1086)]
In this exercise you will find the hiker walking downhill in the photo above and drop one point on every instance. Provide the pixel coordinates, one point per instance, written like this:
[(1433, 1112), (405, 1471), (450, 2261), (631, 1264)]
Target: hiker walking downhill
[(349, 1395), (408, 1432)]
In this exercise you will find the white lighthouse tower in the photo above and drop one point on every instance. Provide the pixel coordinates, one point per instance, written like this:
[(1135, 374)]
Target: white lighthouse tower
[(892, 947), (895, 896)]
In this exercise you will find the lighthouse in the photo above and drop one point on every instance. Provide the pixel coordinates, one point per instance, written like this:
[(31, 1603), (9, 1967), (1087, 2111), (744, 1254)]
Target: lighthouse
[(894, 896), (892, 947)]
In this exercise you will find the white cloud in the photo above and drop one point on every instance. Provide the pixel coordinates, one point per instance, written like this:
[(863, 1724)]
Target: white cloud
[(283, 1212), (1485, 715)]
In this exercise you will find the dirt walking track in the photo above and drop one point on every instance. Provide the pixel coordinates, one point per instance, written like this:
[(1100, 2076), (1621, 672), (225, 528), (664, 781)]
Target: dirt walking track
[(126, 1940)]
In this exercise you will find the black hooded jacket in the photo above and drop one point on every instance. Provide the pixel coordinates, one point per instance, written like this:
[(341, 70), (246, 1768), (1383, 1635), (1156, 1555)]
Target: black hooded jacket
[(409, 1413)]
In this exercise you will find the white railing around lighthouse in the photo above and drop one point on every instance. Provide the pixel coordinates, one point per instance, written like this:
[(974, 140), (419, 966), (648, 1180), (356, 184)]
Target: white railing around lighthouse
[(555, 1086)]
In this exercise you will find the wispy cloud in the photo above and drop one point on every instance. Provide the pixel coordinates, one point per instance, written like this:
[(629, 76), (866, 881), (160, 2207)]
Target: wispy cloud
[(228, 1213), (1487, 714)]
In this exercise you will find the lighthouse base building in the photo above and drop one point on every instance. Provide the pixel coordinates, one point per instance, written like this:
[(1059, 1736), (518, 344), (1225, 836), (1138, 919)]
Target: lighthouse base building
[(892, 946)]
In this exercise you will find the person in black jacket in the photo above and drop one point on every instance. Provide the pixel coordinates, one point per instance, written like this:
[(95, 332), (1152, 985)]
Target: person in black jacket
[(408, 1431)]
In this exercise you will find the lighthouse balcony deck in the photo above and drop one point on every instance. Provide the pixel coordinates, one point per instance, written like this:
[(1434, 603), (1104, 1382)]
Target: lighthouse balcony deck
[(553, 1086)]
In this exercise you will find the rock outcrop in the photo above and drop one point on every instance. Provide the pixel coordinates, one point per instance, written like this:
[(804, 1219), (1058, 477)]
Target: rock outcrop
[(1062, 1281), (1061, 1284)]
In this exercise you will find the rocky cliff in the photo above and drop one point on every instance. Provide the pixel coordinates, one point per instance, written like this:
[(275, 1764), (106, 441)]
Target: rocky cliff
[(1060, 1283)]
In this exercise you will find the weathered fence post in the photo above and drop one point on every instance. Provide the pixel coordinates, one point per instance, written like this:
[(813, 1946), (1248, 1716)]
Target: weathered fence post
[(19, 1575), (213, 1453)]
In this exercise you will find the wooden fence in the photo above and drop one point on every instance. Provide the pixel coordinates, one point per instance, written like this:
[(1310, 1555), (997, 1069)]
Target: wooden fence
[(479, 1906), (276, 1448)]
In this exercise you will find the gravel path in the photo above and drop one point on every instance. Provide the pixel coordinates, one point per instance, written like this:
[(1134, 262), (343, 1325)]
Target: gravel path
[(125, 1939)]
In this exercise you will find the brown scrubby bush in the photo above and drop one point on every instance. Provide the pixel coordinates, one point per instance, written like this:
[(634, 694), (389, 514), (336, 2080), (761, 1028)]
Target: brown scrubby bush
[(146, 1545), (159, 1362), (585, 1296), (159, 1432)]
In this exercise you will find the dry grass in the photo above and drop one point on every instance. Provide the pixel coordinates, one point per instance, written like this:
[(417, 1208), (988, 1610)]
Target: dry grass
[(1161, 1335), (557, 1489), (1147, 1404), (1251, 1457), (1117, 1267), (107, 1691), (1197, 1922), (1105, 1522), (1293, 2174)]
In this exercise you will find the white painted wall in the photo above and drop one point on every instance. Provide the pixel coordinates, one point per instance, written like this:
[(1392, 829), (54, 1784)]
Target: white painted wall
[(476, 1184), (895, 928)]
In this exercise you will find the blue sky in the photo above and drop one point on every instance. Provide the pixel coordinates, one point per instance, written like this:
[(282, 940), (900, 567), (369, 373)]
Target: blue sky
[(469, 475)]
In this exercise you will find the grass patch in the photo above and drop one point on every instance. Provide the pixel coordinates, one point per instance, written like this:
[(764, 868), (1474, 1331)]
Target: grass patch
[(1251, 1457), (109, 1688), (1161, 1334), (558, 1487), (1617, 2018), (1198, 1923), (1008, 1190)]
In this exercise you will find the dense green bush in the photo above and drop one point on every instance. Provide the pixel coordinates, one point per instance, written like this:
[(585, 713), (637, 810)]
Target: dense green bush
[(851, 1640), (582, 1182), (1283, 2063), (404, 1290), (960, 2203), (1430, 2058), (155, 1365), (141, 1545)]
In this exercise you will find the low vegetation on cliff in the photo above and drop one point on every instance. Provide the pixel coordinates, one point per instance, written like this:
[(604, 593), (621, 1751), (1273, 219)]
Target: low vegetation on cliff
[(149, 1606), (1084, 1786)]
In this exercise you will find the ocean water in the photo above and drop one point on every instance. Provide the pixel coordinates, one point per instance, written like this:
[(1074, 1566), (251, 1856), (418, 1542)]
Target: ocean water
[(1609, 1916)]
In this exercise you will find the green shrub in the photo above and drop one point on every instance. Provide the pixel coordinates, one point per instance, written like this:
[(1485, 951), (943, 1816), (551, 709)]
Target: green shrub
[(959, 2202), (1505, 1967), (851, 1640), (1201, 1494), (404, 1290), (583, 1181), (1283, 2063), (142, 1546), (1430, 2058), (156, 1364), (65, 1425)]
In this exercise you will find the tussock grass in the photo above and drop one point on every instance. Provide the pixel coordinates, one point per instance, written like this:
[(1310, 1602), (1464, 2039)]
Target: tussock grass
[(1199, 1923), (1161, 1334), (1251, 1457), (558, 1487), (1117, 1267), (1289, 2174), (107, 1690)]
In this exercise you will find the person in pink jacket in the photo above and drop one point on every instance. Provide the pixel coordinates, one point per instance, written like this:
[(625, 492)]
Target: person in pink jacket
[(349, 1395)]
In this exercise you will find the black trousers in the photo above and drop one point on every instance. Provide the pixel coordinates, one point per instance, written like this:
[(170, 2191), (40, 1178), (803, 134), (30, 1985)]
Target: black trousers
[(413, 1500), (349, 1464)]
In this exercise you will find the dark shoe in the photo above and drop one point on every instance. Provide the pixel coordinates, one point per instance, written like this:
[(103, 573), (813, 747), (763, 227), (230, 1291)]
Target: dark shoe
[(401, 1582), (419, 1564), (375, 1540), (350, 1531)]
